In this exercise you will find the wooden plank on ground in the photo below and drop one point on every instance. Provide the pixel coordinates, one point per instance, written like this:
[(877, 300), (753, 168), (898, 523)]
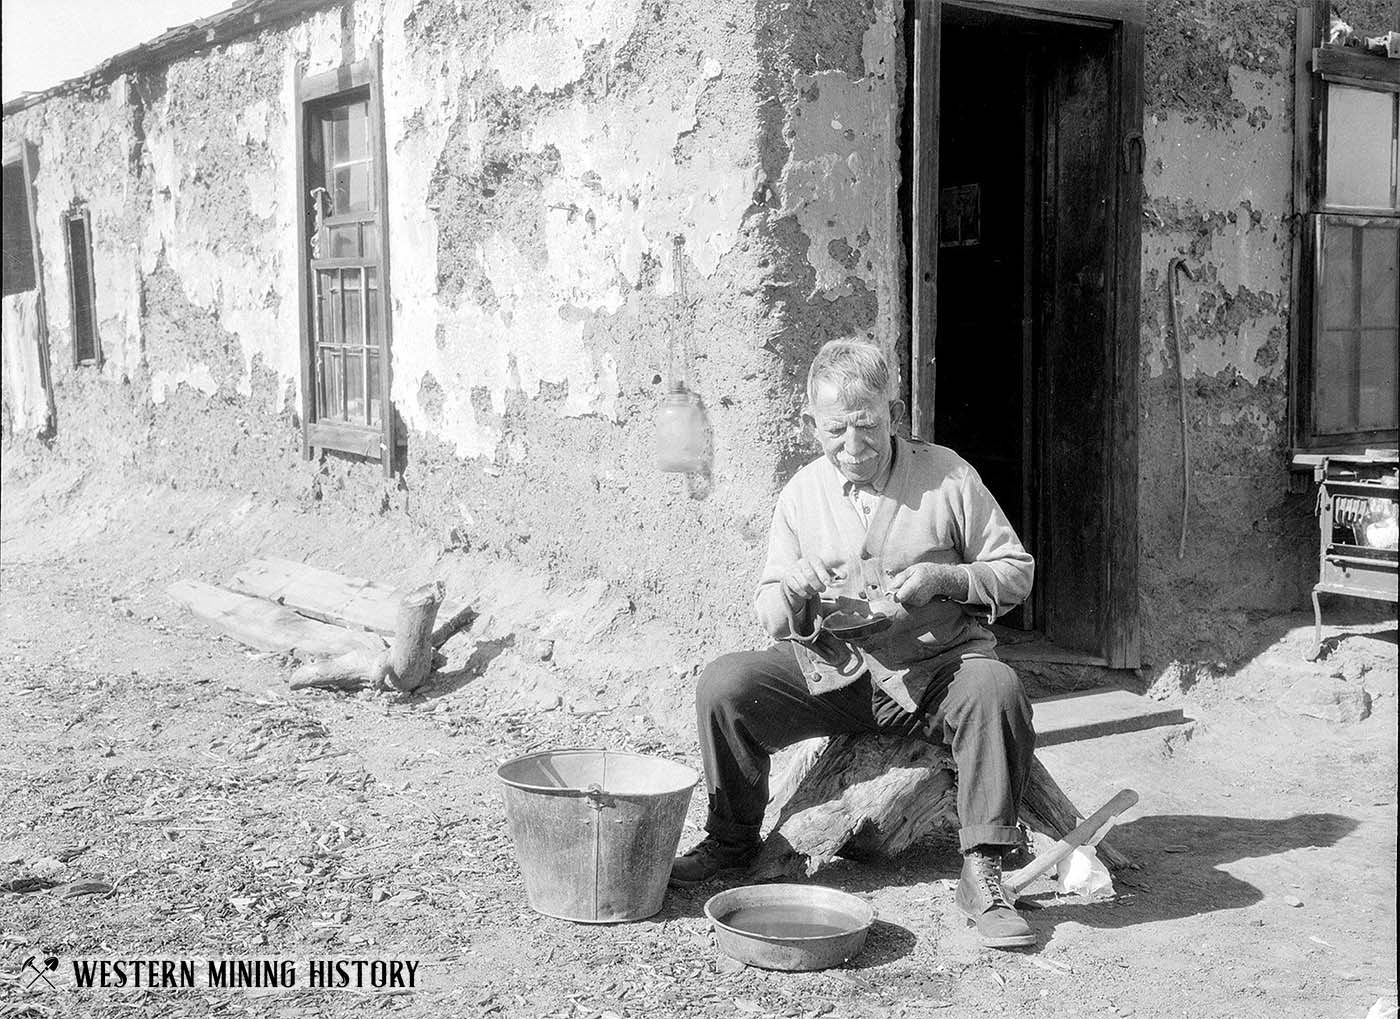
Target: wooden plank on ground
[(327, 595), (1078, 716), (267, 627)]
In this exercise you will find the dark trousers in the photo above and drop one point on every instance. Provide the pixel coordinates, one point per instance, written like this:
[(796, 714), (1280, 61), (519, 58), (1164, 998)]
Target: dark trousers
[(754, 703)]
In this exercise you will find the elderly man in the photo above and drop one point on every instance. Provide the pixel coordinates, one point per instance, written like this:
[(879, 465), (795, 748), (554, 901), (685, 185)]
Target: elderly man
[(878, 531)]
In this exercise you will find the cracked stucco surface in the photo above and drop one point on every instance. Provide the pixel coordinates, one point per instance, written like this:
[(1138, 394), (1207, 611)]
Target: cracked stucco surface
[(1220, 194)]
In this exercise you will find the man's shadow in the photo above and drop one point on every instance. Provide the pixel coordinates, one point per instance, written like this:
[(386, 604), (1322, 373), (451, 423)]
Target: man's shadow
[(1190, 882), (1161, 886)]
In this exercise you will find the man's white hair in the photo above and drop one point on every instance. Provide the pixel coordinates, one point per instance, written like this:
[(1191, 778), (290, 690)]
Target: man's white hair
[(854, 367)]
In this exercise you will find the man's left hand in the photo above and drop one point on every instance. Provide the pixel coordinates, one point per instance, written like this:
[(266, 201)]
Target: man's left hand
[(921, 583)]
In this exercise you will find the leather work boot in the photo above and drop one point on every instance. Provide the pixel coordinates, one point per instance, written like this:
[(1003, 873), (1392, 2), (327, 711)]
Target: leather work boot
[(981, 899), (710, 857)]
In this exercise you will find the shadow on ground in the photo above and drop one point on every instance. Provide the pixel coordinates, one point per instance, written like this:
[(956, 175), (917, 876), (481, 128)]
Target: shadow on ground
[(1173, 885), (1164, 886)]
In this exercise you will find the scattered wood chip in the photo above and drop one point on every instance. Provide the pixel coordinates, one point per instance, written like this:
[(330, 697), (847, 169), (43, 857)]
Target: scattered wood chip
[(24, 885), (76, 888)]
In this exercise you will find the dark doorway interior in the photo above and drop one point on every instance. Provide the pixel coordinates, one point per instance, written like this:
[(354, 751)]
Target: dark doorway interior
[(1026, 174), (983, 400)]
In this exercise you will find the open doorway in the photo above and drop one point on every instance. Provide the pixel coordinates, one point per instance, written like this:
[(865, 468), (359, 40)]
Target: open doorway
[(1029, 254)]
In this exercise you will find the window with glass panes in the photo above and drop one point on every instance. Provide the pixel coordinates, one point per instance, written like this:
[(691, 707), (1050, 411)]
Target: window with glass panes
[(1347, 354), (1356, 337), (345, 264)]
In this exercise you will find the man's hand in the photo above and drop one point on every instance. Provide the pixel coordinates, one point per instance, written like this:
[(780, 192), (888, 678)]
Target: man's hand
[(921, 583), (807, 578)]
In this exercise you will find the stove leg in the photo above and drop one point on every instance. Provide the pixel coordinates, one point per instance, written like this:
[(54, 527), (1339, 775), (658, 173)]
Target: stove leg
[(1317, 629)]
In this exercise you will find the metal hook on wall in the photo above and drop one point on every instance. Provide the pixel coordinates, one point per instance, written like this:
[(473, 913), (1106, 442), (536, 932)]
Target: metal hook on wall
[(1175, 266)]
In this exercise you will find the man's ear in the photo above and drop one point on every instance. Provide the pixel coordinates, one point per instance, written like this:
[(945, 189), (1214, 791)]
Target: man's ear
[(896, 412)]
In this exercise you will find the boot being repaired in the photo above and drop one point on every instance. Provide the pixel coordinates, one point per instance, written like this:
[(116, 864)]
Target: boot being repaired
[(981, 900)]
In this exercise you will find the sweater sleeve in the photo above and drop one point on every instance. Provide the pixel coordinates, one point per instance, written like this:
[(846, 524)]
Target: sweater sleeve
[(775, 613), (1000, 570)]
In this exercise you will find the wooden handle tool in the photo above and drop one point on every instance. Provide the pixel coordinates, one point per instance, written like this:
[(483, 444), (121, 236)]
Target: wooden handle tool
[(1014, 882)]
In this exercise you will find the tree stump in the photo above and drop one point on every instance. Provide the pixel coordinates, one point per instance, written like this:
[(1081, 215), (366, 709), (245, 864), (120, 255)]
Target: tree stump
[(411, 655), (877, 795), (406, 664)]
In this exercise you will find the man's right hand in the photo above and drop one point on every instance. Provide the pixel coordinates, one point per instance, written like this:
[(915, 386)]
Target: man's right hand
[(807, 578)]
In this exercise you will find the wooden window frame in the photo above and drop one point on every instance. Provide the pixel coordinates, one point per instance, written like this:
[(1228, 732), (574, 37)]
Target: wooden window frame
[(319, 436), (1316, 67), (79, 213)]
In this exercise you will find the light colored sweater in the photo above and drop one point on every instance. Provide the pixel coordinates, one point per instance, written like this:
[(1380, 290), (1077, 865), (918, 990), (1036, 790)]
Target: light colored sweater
[(935, 509)]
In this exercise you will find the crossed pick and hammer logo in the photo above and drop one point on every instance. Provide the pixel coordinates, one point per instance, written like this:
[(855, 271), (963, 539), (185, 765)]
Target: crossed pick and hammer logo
[(35, 970)]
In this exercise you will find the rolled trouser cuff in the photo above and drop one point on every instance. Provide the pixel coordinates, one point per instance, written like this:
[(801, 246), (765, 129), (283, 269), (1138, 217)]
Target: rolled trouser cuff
[(988, 835)]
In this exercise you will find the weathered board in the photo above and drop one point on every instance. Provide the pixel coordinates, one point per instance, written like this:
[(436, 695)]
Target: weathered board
[(327, 595), (1078, 716), (267, 627)]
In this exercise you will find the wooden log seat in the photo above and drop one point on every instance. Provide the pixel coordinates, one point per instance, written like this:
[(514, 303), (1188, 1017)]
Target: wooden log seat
[(875, 796)]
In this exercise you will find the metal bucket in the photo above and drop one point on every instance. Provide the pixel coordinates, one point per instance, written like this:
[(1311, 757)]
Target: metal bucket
[(595, 831)]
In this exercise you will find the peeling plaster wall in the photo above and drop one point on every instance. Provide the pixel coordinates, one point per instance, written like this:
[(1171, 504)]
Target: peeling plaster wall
[(1217, 191), (542, 164)]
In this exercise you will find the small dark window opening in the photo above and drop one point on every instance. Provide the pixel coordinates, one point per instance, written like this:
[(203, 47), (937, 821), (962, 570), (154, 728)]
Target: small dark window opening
[(77, 236), (18, 247)]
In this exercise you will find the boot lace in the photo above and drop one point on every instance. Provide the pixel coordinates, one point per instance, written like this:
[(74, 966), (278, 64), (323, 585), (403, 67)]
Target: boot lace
[(987, 873)]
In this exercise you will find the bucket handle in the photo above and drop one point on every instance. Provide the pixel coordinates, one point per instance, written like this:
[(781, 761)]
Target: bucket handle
[(597, 798)]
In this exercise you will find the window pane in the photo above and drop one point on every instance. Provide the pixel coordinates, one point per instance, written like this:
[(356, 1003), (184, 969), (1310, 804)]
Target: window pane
[(329, 305), (340, 134), (1380, 366), (350, 282), (354, 387), (345, 241), (370, 239), (373, 363), (351, 189), (332, 383), (1338, 275), (357, 131), (1336, 381), (1380, 276), (371, 307), (1360, 146)]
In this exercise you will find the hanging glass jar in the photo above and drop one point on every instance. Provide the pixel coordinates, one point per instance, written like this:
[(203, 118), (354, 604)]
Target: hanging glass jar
[(682, 426)]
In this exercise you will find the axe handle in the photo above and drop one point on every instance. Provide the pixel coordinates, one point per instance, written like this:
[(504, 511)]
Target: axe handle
[(1017, 880)]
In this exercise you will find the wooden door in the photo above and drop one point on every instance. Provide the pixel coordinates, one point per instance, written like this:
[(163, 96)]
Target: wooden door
[(1087, 63)]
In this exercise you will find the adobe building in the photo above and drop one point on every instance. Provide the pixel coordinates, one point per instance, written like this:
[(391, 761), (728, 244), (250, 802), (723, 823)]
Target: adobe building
[(441, 259)]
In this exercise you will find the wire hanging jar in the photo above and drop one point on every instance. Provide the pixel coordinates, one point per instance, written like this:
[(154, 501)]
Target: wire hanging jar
[(682, 426)]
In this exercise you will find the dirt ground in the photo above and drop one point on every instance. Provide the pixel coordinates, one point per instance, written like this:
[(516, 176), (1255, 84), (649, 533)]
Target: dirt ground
[(221, 815)]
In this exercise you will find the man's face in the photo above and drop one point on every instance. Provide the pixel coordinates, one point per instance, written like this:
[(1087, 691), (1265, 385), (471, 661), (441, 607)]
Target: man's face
[(854, 432)]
